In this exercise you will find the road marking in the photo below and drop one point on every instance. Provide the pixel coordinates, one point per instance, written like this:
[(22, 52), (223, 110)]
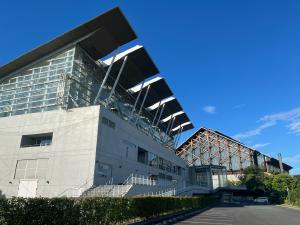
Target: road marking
[(204, 222), (214, 216), (225, 220)]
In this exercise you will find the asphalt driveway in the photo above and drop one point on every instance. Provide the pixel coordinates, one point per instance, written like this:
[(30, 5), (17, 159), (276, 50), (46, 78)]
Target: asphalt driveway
[(245, 215)]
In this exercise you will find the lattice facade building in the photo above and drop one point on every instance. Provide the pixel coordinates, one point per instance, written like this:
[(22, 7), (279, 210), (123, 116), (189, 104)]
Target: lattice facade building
[(210, 147)]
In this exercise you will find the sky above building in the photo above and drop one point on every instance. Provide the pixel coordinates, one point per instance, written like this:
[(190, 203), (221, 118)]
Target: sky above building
[(233, 65)]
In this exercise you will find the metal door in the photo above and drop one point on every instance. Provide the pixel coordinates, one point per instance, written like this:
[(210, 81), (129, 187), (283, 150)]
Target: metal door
[(27, 188)]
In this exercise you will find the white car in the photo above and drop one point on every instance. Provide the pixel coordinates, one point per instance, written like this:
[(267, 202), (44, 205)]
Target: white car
[(261, 200)]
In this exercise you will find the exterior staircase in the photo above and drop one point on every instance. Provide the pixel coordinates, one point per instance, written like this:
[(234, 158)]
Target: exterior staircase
[(134, 185), (107, 191)]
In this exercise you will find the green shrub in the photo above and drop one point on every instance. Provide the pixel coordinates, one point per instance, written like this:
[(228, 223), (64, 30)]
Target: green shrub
[(92, 211), (294, 197), (39, 211)]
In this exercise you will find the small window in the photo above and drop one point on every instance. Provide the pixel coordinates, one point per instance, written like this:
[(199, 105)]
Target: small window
[(108, 123), (36, 140), (153, 160), (142, 156), (161, 164)]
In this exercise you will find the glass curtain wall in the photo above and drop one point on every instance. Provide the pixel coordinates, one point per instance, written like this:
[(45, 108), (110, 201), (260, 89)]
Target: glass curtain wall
[(68, 79), (84, 85), (38, 88)]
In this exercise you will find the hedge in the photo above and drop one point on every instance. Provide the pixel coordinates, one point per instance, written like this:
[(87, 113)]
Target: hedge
[(293, 197), (92, 211)]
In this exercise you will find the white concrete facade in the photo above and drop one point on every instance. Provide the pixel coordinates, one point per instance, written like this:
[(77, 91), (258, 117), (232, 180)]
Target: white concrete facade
[(90, 146)]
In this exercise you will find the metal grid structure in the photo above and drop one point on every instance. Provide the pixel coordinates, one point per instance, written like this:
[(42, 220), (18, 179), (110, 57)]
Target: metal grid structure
[(209, 147), (71, 78), (67, 72), (37, 88)]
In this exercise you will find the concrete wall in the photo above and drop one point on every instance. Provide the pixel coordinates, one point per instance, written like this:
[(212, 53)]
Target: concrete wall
[(118, 148), (71, 156), (82, 148)]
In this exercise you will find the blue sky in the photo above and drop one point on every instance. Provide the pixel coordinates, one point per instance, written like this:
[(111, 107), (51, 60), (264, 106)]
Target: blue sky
[(234, 65)]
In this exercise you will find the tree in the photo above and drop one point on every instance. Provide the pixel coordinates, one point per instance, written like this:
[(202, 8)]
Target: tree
[(282, 182), (234, 183), (297, 181), (253, 178), (268, 180)]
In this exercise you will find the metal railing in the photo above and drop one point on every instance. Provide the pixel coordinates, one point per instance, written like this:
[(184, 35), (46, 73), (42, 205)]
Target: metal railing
[(77, 191), (162, 193), (136, 179), (108, 191)]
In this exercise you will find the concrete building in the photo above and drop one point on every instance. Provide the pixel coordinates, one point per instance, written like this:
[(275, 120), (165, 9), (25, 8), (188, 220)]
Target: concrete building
[(73, 124)]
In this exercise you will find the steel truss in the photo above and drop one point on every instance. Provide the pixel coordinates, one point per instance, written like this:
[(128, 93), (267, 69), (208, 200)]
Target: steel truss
[(207, 147)]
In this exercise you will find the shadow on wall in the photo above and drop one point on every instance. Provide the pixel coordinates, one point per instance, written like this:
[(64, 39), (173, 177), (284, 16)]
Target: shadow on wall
[(1, 195)]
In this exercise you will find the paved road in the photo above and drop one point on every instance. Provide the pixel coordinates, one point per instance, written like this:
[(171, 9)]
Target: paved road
[(245, 215)]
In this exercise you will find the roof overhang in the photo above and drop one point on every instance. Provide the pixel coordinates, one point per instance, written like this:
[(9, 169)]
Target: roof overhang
[(176, 119), (182, 127), (98, 37), (158, 90), (139, 66), (169, 105)]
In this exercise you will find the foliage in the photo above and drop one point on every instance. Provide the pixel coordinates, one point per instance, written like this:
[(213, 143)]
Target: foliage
[(17, 211), (92, 211), (297, 181), (253, 178), (234, 182), (294, 197), (274, 185), (282, 182)]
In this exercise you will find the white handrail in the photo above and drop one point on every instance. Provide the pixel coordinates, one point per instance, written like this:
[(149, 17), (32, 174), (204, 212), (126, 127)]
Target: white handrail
[(75, 188), (136, 179)]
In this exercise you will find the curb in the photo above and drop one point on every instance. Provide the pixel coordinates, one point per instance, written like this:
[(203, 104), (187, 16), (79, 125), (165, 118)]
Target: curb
[(289, 206)]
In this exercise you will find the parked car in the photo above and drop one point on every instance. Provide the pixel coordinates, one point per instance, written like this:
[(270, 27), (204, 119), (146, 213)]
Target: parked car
[(262, 200)]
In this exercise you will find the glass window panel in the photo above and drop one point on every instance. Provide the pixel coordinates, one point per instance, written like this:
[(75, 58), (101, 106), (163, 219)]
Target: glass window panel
[(32, 82), (53, 95), (21, 106), (21, 100), (39, 86), (33, 110), (38, 92), (19, 112), (28, 77), (36, 104), (22, 95), (51, 90), (51, 101), (36, 70), (37, 98)]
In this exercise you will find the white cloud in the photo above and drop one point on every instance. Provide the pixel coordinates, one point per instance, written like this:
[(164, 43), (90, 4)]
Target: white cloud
[(283, 116), (254, 132), (294, 126), (257, 146), (291, 118), (209, 109)]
